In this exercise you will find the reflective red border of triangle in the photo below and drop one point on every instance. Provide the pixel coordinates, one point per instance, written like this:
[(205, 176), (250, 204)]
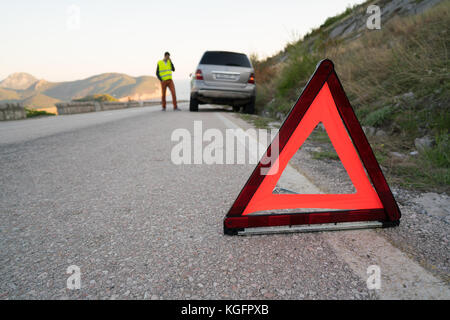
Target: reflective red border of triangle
[(389, 215)]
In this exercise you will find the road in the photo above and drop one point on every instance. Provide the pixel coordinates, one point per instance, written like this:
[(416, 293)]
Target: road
[(100, 191)]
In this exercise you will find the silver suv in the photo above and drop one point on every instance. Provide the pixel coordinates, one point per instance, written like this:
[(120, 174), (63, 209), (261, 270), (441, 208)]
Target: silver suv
[(225, 78)]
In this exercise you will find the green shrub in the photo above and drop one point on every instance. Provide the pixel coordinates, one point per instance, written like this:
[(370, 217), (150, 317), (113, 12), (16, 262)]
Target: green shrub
[(295, 75), (362, 112), (98, 98), (35, 113), (379, 117), (439, 154), (327, 155), (340, 16)]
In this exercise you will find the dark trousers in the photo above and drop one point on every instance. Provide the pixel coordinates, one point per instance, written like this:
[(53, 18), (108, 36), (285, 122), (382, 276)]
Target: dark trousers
[(164, 84)]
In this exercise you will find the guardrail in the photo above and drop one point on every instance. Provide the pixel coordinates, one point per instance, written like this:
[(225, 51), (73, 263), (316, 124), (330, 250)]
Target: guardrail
[(12, 111), (92, 106)]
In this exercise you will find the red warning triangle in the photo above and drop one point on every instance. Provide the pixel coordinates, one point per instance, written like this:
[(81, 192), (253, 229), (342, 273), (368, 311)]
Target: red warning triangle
[(322, 100)]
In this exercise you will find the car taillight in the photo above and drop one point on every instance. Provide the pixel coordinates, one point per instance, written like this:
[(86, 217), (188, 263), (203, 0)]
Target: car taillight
[(252, 78), (199, 75)]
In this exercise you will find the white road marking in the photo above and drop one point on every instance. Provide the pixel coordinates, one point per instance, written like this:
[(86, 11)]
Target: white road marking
[(241, 138), (401, 277)]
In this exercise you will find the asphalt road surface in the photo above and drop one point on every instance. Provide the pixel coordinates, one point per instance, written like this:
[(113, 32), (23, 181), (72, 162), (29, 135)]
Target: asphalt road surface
[(100, 191)]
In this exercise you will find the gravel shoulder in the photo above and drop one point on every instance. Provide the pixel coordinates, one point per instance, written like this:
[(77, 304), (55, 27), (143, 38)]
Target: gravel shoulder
[(424, 231), (422, 236)]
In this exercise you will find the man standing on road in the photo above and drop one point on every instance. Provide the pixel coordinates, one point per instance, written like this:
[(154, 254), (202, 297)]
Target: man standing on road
[(164, 73)]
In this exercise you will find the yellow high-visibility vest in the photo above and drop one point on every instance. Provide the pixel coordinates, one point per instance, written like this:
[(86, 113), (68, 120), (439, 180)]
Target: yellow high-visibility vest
[(165, 69)]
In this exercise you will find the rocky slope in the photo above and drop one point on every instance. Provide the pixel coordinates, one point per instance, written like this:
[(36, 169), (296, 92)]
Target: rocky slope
[(396, 78)]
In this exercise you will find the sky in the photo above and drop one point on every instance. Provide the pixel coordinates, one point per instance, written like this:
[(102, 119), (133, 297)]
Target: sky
[(64, 40)]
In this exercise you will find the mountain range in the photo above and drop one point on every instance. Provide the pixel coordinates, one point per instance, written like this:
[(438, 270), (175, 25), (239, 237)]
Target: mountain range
[(38, 93)]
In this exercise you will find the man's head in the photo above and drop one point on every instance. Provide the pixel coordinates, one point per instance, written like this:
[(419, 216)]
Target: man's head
[(166, 56)]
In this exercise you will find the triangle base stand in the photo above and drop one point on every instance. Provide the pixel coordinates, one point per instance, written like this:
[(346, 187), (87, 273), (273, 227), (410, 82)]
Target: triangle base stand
[(314, 228), (311, 228)]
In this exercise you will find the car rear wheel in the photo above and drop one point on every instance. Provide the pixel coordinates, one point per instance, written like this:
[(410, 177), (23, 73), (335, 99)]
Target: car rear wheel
[(250, 107), (193, 104)]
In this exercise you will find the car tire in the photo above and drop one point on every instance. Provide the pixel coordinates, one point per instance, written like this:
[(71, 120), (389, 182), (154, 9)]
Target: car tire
[(193, 104), (250, 107)]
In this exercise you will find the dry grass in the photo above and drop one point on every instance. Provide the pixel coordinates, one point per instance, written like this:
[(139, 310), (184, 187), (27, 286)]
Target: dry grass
[(409, 53)]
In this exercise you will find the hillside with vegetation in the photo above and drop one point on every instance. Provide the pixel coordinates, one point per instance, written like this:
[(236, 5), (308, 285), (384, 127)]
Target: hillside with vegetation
[(397, 79), (24, 88)]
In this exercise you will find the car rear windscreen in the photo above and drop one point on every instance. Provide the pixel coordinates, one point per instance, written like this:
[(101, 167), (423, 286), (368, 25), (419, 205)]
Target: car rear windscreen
[(226, 59)]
